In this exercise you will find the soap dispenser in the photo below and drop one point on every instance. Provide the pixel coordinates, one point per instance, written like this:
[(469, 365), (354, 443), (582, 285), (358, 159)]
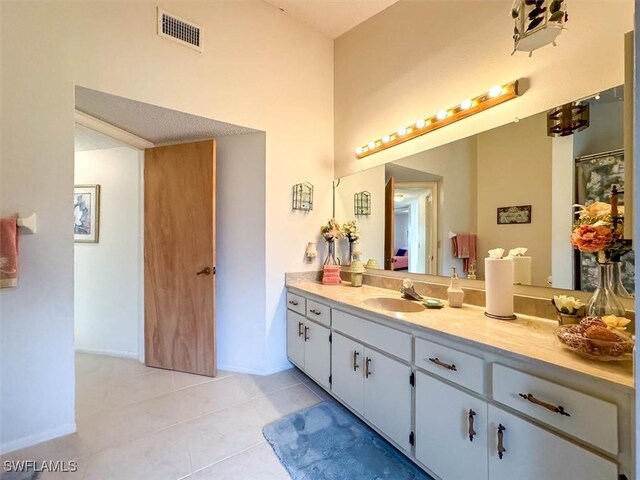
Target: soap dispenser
[(455, 294)]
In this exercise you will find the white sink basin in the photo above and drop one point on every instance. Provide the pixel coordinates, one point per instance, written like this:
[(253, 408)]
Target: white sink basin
[(394, 304)]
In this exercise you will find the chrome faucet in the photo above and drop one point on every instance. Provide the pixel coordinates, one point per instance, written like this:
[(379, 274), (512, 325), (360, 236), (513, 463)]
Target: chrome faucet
[(408, 291)]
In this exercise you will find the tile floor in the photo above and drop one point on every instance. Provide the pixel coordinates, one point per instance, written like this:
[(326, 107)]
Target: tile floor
[(141, 423)]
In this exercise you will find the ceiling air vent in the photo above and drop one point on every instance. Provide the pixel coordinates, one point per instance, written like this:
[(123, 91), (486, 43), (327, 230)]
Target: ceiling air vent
[(179, 30)]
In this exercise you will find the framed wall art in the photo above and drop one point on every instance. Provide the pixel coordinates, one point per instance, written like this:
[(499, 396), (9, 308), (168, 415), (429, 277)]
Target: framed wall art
[(514, 215), (86, 213)]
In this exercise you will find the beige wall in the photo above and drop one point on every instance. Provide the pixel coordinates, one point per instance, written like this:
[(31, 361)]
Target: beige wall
[(456, 165), (260, 68), (417, 57), (371, 226), (514, 168)]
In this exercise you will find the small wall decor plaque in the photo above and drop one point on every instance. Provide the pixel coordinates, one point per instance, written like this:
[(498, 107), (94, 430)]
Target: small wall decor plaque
[(514, 215)]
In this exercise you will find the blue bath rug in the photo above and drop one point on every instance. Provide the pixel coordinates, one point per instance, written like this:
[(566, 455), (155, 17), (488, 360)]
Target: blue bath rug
[(326, 442)]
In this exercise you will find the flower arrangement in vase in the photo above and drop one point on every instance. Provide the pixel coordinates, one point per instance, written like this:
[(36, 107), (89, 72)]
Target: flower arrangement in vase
[(599, 230), (331, 270), (351, 232)]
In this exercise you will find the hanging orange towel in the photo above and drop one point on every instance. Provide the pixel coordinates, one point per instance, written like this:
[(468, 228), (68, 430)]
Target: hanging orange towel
[(8, 252)]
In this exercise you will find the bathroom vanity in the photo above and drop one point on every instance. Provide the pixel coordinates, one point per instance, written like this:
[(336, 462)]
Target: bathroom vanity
[(462, 395)]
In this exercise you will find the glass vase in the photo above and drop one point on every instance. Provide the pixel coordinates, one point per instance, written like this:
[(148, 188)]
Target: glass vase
[(331, 254), (604, 301), (616, 281)]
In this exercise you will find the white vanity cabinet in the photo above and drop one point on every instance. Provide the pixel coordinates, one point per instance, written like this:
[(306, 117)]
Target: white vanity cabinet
[(461, 410), (527, 452), (309, 346), (451, 430), (373, 384)]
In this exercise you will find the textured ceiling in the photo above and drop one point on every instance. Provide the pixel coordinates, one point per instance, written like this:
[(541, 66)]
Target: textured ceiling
[(332, 17), (155, 124), (87, 139)]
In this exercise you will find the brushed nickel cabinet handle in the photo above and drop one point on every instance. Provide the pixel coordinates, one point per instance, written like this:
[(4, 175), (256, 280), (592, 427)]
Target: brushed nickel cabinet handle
[(315, 312), (501, 449), (300, 333), (355, 360), (472, 432), (440, 363), (367, 368), (555, 409), (293, 302), (306, 333)]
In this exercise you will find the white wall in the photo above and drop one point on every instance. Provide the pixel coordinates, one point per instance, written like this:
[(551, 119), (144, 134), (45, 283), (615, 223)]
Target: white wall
[(371, 226), (414, 58), (260, 68), (240, 252), (401, 230), (107, 274)]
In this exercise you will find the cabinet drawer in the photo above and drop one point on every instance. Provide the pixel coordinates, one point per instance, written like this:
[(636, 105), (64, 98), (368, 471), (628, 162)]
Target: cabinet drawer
[(387, 339), (319, 313), (296, 303), (455, 366), (590, 419)]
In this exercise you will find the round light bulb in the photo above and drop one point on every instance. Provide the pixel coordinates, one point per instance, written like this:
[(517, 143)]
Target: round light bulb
[(466, 103), (371, 145), (359, 151), (495, 91), (402, 131), (597, 97), (420, 123), (386, 139), (442, 114)]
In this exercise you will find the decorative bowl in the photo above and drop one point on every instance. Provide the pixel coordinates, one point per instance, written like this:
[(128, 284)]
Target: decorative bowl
[(574, 338)]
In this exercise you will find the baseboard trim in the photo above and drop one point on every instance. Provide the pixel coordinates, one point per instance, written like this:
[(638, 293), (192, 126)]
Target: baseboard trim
[(109, 353), (254, 371), (36, 438)]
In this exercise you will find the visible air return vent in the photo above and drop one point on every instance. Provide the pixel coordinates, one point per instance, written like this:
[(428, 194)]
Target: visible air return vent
[(179, 30)]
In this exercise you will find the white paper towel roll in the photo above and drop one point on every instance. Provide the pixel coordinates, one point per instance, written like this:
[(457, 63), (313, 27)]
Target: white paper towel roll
[(522, 270), (499, 287)]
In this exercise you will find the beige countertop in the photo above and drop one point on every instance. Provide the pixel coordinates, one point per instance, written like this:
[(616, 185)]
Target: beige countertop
[(527, 337)]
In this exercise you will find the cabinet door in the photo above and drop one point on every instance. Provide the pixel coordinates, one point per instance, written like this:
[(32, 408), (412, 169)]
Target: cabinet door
[(387, 396), (295, 338), (443, 424), (317, 352), (533, 453), (346, 371)]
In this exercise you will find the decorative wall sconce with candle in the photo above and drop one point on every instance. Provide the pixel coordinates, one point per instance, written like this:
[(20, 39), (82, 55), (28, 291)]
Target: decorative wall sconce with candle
[(362, 203), (311, 252), (302, 197), (469, 106)]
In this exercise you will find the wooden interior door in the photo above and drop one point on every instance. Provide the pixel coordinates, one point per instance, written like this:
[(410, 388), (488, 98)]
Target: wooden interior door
[(389, 224), (179, 257)]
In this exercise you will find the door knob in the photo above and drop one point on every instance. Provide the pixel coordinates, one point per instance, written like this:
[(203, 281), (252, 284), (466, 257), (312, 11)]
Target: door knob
[(205, 271)]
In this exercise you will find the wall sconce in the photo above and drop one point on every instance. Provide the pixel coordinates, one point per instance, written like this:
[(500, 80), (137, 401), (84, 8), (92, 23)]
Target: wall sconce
[(567, 119), (467, 107), (362, 203), (311, 252), (302, 197)]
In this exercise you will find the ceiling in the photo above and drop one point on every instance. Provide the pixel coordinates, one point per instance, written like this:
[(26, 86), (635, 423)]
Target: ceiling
[(155, 124), (332, 17)]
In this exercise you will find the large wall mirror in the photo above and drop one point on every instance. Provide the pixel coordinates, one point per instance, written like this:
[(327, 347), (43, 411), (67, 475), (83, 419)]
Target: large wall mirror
[(512, 186)]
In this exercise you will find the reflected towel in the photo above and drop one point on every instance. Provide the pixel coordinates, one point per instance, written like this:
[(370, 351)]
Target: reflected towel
[(8, 252), (464, 245)]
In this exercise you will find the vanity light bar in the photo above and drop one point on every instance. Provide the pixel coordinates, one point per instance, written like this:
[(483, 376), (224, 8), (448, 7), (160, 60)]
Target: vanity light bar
[(469, 106)]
